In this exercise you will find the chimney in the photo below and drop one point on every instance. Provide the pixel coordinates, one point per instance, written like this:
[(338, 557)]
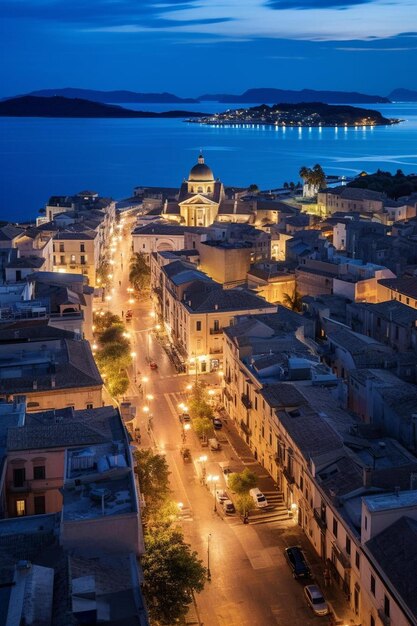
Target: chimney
[(53, 382), (216, 307), (35, 384), (367, 476)]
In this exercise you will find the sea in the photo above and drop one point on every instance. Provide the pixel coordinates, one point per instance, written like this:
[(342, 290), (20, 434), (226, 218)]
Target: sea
[(40, 157)]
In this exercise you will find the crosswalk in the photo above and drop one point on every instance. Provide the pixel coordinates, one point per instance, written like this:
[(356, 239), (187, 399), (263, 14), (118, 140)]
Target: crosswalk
[(276, 513)]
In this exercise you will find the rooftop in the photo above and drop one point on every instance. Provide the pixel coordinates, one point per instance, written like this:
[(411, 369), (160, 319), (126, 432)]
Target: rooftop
[(406, 286), (391, 501)]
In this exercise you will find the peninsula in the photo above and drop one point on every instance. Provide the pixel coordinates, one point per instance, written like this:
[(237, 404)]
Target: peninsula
[(58, 106), (303, 114)]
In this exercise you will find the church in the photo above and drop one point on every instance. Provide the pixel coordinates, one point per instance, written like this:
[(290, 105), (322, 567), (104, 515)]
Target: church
[(199, 198)]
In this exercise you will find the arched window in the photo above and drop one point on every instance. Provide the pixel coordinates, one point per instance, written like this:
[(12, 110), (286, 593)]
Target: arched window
[(200, 190), (208, 189), (192, 189)]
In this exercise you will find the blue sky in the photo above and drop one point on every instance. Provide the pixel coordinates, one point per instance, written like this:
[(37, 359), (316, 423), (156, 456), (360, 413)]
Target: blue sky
[(194, 46)]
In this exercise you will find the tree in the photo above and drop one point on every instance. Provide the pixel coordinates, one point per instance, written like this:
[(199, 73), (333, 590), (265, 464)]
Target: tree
[(103, 320), (118, 385), (153, 475), (139, 272), (172, 572), (202, 426), (242, 482), (318, 176), (293, 301), (253, 188), (113, 334), (199, 406), (244, 504), (304, 173)]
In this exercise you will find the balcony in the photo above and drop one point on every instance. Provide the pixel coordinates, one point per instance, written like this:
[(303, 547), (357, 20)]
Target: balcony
[(246, 401), (218, 350), (216, 331), (244, 426), (288, 476), (320, 519), (385, 619), (278, 460), (20, 487)]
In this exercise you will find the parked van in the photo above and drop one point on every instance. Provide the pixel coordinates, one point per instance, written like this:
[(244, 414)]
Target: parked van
[(214, 444), (258, 497)]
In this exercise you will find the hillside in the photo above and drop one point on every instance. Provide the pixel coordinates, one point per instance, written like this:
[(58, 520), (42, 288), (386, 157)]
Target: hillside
[(269, 96), (121, 96), (302, 114), (403, 95), (57, 106)]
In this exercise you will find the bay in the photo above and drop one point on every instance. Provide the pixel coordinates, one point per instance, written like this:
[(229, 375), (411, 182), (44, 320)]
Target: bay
[(42, 157)]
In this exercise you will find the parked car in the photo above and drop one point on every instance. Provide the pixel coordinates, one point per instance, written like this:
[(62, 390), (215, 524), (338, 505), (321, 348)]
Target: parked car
[(129, 315), (297, 562), (221, 495), (184, 418), (315, 600), (258, 497), (214, 444), (228, 507), (153, 365), (217, 423)]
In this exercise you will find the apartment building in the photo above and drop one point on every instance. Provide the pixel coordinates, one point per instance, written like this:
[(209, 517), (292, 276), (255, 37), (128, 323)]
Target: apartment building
[(49, 366), (328, 467), (350, 199), (77, 253)]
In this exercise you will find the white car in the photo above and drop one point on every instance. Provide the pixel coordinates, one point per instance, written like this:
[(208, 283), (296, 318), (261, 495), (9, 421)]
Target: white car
[(315, 600), (221, 495), (258, 497)]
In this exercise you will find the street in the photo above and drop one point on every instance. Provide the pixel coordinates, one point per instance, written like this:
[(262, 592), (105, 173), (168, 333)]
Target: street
[(251, 583)]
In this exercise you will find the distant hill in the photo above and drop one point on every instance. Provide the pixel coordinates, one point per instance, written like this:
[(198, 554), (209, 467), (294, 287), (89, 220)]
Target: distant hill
[(123, 97), (270, 96), (403, 95), (57, 106)]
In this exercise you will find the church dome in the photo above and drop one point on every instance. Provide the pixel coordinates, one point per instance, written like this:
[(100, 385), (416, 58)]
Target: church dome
[(201, 172)]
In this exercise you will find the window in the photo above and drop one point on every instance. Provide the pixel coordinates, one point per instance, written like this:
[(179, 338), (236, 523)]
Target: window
[(256, 403), (386, 606), (357, 560), (348, 545), (39, 502), (198, 325), (89, 406), (39, 472), (62, 261), (61, 247), (72, 258), (372, 621), (82, 247), (82, 259), (335, 527), (19, 477), (20, 508), (216, 325), (366, 523), (372, 585)]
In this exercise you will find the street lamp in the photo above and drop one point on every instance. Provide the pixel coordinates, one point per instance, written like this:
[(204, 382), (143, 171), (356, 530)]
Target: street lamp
[(208, 557), (214, 480), (133, 355), (145, 379)]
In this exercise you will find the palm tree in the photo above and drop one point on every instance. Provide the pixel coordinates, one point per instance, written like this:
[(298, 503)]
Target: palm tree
[(305, 173), (318, 176), (293, 301)]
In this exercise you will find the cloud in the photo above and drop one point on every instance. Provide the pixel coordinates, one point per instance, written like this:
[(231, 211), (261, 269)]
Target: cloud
[(282, 5)]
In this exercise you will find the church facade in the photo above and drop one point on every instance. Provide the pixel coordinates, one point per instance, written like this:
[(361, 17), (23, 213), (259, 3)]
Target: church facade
[(199, 198)]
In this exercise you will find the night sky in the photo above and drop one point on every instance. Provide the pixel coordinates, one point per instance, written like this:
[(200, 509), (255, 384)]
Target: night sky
[(190, 47)]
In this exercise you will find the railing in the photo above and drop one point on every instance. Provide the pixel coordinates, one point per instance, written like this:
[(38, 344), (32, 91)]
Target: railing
[(216, 331), (246, 401), (385, 619), (215, 350), (288, 476), (320, 519), (36, 484)]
